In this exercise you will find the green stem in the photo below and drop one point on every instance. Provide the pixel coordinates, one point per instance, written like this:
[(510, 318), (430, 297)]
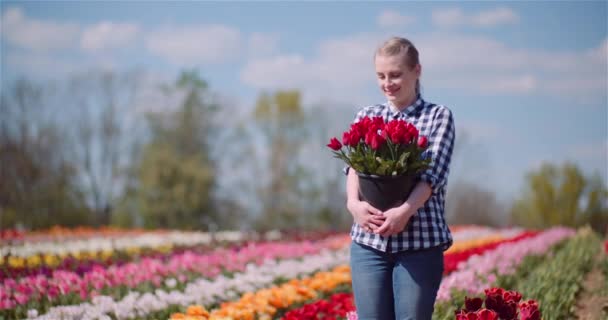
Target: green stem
[(345, 157), (390, 148)]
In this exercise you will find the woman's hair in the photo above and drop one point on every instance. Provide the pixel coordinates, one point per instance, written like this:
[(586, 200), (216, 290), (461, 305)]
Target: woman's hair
[(397, 45)]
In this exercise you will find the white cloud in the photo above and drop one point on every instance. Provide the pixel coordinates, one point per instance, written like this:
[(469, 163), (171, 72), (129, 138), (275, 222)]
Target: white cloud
[(484, 83), (41, 65), (261, 44), (452, 17), (339, 69), (481, 63), (50, 66), (495, 17), (389, 18), (448, 17), (475, 64), (38, 35), (287, 71), (108, 35), (192, 45)]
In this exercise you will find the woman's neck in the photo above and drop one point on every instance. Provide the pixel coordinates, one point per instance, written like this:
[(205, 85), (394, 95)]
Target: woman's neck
[(402, 105)]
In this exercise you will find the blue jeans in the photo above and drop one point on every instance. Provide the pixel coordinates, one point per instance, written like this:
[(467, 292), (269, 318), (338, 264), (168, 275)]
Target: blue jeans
[(400, 285)]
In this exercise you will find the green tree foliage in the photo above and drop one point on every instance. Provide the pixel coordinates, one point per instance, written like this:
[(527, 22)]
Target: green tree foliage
[(562, 196), (282, 121), (175, 177), (470, 203)]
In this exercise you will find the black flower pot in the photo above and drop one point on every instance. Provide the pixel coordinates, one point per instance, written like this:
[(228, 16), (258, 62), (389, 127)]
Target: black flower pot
[(385, 192)]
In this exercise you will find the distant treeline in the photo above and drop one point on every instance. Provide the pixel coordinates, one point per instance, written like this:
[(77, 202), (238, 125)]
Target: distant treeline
[(83, 153)]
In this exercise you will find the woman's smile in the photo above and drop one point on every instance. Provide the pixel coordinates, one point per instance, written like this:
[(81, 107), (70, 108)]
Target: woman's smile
[(392, 90)]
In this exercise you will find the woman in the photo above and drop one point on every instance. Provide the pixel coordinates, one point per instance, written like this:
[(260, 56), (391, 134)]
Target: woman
[(397, 255)]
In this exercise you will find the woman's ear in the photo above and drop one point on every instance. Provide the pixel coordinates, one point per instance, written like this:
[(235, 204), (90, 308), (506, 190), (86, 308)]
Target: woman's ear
[(418, 70)]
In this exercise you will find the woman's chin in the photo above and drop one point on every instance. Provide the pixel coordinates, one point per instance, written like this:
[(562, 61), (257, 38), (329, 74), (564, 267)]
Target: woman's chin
[(392, 99)]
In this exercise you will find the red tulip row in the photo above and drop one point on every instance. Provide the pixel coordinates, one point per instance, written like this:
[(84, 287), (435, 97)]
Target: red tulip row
[(499, 304), (337, 305)]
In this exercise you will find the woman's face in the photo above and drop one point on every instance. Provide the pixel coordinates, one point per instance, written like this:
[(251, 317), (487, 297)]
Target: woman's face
[(396, 79)]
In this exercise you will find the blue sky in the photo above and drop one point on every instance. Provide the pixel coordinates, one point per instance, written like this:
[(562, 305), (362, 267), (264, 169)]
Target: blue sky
[(527, 81)]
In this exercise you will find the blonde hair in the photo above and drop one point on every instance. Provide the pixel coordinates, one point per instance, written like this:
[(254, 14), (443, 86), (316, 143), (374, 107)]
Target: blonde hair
[(395, 46)]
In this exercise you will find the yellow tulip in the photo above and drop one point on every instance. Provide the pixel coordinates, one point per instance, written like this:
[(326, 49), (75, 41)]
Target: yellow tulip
[(50, 260), (133, 251), (106, 254), (165, 249), (33, 261), (16, 262)]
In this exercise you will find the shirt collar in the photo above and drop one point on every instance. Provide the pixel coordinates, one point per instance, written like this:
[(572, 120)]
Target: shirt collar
[(411, 108)]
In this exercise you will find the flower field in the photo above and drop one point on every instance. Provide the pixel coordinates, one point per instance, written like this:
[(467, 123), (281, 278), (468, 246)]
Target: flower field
[(134, 274)]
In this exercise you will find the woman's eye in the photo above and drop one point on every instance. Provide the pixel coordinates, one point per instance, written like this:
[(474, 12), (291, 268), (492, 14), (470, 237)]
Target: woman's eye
[(395, 75)]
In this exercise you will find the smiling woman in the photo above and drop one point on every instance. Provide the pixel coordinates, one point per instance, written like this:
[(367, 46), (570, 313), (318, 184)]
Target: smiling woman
[(397, 255)]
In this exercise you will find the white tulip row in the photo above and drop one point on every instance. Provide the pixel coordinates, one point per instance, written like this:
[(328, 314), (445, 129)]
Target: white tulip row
[(147, 240), (481, 232), (201, 291)]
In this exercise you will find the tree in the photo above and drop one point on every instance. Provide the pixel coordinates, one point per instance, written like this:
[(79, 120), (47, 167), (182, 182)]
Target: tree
[(101, 136), (562, 196), (38, 182), (176, 174), (468, 203), (281, 120)]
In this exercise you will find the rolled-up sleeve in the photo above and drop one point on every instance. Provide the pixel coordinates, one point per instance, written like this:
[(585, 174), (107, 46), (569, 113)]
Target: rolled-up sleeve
[(441, 145)]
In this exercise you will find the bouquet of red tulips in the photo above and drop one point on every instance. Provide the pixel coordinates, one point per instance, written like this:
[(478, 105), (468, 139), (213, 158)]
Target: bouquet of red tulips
[(375, 147)]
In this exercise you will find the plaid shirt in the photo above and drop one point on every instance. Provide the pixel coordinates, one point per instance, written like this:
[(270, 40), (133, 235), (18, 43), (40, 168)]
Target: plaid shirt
[(427, 228)]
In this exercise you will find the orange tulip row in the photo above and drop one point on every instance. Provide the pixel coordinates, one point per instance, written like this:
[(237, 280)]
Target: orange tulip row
[(265, 303), (463, 245)]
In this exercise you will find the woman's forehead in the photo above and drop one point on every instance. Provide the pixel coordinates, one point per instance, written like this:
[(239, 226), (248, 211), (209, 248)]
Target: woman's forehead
[(398, 61)]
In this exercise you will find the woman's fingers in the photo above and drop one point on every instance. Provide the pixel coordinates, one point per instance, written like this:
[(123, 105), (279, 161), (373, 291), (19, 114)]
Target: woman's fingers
[(373, 210), (384, 229), (377, 221)]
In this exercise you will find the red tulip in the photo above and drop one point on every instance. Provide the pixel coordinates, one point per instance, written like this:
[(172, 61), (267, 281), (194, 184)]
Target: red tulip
[(346, 138), (512, 296), (377, 142), (529, 310), (485, 314), (334, 144), (472, 304), (422, 142), (355, 137), (494, 299), (508, 310)]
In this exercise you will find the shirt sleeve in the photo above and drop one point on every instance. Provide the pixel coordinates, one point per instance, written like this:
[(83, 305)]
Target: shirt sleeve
[(441, 145), (360, 115)]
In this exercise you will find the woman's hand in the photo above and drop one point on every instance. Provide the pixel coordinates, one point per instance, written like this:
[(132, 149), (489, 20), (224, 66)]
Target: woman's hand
[(368, 217), (396, 220)]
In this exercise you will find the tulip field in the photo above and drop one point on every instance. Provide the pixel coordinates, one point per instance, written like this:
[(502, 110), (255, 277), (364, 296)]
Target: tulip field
[(489, 273)]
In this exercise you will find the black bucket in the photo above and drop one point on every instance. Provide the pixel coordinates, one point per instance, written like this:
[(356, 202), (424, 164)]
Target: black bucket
[(385, 192)]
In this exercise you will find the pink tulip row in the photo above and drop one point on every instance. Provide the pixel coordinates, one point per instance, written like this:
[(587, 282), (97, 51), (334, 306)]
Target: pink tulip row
[(154, 271), (480, 272)]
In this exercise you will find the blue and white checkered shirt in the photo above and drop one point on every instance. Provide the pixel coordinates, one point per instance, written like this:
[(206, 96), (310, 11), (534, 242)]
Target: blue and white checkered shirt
[(427, 228)]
